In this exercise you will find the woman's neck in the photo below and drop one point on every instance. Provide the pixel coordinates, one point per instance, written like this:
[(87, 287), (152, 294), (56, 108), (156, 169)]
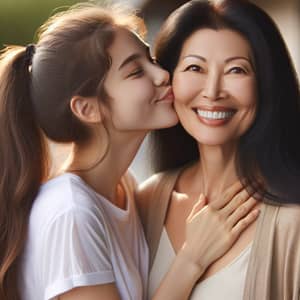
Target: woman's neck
[(215, 171)]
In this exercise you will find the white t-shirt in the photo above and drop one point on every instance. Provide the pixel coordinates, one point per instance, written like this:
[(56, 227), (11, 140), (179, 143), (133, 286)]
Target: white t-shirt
[(76, 238)]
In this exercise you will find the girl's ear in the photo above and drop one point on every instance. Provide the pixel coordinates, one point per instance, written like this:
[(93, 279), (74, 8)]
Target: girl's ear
[(86, 109)]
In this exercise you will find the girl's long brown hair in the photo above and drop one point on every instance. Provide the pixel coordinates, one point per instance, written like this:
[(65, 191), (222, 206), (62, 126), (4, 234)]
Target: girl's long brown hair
[(71, 59), (23, 164)]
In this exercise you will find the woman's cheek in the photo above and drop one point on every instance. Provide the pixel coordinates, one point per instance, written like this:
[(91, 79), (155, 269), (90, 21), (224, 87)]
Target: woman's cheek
[(179, 88)]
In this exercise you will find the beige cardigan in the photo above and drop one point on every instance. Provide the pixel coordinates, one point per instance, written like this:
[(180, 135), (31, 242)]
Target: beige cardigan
[(274, 266)]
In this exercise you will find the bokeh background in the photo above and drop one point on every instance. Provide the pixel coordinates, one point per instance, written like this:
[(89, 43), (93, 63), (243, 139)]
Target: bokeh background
[(20, 19)]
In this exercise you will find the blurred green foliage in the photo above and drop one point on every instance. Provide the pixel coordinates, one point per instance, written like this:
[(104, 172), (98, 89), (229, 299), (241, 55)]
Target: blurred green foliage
[(20, 19)]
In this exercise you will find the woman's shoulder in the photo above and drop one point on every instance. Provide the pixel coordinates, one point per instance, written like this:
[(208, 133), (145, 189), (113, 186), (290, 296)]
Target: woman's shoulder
[(158, 179), (154, 183), (129, 180), (289, 214), (150, 183)]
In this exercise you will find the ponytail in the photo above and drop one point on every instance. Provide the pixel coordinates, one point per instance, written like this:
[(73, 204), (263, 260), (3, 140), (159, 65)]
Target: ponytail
[(71, 59), (23, 163)]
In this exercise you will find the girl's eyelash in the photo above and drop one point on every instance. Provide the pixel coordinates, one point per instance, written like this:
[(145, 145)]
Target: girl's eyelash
[(137, 72)]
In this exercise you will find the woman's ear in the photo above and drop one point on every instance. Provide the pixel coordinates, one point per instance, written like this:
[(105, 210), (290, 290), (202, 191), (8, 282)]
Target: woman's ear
[(86, 109)]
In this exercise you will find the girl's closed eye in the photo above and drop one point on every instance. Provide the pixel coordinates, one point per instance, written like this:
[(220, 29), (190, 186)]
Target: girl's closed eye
[(137, 72)]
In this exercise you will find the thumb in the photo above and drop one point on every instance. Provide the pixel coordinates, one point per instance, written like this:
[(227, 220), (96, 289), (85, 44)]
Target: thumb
[(198, 206)]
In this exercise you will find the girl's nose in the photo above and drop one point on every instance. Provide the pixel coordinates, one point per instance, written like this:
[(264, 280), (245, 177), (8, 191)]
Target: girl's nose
[(161, 77)]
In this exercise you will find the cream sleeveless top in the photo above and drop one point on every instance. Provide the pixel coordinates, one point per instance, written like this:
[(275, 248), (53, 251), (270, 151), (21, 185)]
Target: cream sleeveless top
[(228, 283)]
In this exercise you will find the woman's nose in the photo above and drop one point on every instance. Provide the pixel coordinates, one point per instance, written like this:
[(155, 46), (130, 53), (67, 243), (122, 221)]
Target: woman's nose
[(212, 87)]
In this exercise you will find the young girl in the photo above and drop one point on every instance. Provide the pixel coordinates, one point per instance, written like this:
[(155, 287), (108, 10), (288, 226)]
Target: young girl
[(89, 81)]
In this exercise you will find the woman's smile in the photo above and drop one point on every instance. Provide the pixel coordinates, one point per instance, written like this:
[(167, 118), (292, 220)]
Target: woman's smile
[(214, 116)]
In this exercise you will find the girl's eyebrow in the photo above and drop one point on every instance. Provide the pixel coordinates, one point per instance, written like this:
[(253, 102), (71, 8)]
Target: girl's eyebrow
[(132, 57), (129, 59)]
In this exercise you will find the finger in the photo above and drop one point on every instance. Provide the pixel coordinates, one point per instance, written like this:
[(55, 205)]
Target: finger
[(244, 223), (229, 193), (235, 202), (241, 212), (197, 206)]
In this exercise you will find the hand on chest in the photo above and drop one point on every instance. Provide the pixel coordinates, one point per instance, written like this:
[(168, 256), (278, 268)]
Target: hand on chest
[(179, 209)]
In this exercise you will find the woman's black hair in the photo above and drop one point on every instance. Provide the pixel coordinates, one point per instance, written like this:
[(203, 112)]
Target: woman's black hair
[(270, 149)]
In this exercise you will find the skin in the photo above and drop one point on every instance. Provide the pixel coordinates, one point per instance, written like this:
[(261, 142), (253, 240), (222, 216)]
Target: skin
[(135, 104), (140, 100), (209, 76), (132, 110)]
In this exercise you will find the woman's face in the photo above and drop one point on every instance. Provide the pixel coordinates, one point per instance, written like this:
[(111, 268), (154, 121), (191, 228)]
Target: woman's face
[(214, 86), (140, 94)]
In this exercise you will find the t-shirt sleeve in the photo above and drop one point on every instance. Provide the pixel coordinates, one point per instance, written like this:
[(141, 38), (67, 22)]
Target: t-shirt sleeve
[(74, 253)]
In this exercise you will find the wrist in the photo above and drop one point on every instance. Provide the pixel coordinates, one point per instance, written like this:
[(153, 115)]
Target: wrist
[(192, 268)]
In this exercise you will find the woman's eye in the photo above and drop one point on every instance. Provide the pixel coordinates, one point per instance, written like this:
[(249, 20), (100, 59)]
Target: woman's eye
[(237, 70), (193, 68)]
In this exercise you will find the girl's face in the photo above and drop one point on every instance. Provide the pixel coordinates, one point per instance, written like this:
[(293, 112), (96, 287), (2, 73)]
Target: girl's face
[(141, 97), (214, 86)]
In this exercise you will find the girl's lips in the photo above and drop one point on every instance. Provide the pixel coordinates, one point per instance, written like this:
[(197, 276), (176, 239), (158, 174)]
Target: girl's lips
[(168, 96)]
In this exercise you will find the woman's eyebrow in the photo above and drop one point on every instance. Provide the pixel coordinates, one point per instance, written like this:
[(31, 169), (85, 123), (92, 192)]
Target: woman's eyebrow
[(237, 57), (195, 56), (226, 60)]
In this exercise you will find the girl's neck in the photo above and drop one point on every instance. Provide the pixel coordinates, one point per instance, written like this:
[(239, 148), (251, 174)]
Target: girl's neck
[(102, 166)]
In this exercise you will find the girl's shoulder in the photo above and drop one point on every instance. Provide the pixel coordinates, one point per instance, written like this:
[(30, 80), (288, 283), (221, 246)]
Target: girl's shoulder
[(67, 186), (62, 195)]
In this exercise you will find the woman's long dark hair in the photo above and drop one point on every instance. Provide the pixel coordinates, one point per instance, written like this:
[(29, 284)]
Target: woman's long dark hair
[(271, 147), (70, 59)]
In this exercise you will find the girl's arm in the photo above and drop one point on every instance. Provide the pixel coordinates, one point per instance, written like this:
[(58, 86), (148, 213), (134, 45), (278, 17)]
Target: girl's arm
[(96, 292)]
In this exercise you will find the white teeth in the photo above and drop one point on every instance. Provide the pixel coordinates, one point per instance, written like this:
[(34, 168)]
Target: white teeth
[(215, 115)]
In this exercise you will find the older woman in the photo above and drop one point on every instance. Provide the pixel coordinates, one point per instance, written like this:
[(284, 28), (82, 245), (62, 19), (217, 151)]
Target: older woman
[(237, 98)]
